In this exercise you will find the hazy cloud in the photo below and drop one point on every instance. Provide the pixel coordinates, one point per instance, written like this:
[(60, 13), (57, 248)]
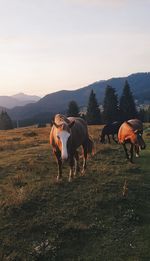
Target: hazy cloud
[(51, 45), (103, 3), (98, 2)]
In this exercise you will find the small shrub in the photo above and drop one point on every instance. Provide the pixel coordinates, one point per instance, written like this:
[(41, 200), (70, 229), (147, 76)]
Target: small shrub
[(18, 180), (30, 134)]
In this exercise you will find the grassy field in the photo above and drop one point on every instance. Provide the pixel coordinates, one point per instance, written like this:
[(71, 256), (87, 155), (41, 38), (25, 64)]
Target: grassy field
[(87, 219)]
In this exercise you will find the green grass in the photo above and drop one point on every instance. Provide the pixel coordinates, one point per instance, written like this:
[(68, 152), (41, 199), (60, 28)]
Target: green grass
[(87, 219)]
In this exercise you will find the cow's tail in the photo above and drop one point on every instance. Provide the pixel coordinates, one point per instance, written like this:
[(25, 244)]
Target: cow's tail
[(90, 146)]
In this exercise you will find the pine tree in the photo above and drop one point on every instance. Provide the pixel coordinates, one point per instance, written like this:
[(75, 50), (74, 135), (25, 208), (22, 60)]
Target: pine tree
[(127, 104), (73, 109), (93, 112), (5, 121), (110, 112)]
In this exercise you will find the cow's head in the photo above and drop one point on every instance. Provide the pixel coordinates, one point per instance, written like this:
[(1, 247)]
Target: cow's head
[(102, 136), (102, 139), (63, 133)]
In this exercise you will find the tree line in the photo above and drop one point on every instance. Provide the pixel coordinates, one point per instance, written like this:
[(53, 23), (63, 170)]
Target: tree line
[(114, 109)]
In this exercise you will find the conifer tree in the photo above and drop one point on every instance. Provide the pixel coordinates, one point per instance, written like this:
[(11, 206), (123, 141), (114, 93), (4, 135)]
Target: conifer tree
[(110, 112), (127, 105), (93, 112), (73, 109), (5, 121)]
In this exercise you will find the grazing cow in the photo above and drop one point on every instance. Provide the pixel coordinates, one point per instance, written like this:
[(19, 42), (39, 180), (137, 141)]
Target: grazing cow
[(131, 132), (66, 136), (110, 129)]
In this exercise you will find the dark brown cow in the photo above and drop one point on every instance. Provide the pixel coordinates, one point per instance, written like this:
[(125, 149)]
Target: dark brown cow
[(110, 129), (66, 136), (131, 132)]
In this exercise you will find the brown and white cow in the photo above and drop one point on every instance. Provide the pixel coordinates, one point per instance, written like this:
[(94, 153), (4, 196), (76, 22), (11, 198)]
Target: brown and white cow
[(66, 136), (131, 132)]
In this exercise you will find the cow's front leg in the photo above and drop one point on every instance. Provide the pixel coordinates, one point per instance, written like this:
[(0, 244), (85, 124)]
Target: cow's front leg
[(71, 163), (131, 153), (137, 151), (108, 139), (126, 152), (76, 163), (59, 163)]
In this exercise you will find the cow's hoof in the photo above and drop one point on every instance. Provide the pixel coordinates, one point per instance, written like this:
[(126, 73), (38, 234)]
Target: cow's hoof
[(137, 155), (83, 173), (58, 179), (70, 179), (75, 174), (131, 161)]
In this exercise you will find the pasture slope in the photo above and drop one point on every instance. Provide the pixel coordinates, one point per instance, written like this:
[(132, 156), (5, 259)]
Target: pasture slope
[(87, 219)]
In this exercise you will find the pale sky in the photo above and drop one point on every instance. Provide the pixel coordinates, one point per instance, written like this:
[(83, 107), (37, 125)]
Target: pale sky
[(49, 45)]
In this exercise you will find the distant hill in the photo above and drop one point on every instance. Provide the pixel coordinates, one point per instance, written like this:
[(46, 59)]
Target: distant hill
[(58, 101), (19, 99), (25, 97)]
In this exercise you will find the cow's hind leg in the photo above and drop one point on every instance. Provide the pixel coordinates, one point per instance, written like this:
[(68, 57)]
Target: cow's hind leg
[(113, 137), (84, 158)]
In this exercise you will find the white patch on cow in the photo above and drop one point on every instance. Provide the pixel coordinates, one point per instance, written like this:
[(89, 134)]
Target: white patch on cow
[(63, 136)]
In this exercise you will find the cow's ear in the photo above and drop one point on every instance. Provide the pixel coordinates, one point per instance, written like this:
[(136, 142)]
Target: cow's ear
[(55, 124), (52, 123), (71, 124)]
